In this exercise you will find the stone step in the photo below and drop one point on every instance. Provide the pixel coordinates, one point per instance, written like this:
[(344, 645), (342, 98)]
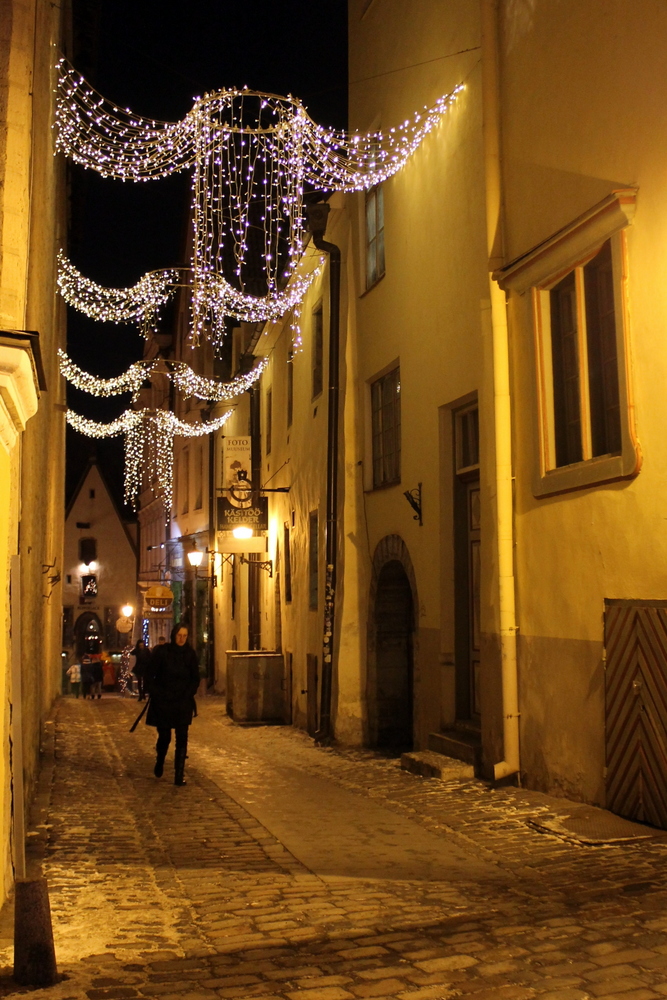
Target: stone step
[(434, 765), (458, 743)]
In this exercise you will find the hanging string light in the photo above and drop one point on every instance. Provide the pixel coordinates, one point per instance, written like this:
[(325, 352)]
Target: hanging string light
[(183, 377), (251, 156), (149, 446), (138, 304)]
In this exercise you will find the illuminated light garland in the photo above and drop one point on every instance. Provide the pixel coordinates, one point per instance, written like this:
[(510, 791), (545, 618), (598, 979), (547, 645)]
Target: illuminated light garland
[(183, 377), (138, 304), (251, 156), (149, 446)]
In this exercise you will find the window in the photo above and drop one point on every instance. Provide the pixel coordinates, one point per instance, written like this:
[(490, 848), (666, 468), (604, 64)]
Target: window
[(91, 494), (290, 388), (68, 625), (467, 441), (112, 639), (199, 475), (386, 428), (269, 419), (585, 433), (185, 483), (374, 236), (87, 550), (88, 587), (313, 560), (288, 563), (317, 351)]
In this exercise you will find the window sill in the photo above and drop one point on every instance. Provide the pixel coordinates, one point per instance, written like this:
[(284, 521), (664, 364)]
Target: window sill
[(584, 475), (374, 285), (383, 486)]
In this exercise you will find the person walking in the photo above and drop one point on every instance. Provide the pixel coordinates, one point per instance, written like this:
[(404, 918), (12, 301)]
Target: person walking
[(142, 657), (98, 676), (172, 684), (74, 675), (86, 676)]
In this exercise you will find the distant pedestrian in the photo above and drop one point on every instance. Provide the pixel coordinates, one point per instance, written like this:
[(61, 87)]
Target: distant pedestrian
[(108, 675), (172, 683), (161, 640), (98, 677), (74, 675), (142, 657), (86, 676)]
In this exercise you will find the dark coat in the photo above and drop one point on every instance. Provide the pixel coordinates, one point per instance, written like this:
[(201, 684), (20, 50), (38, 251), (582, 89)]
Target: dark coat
[(142, 667), (172, 681)]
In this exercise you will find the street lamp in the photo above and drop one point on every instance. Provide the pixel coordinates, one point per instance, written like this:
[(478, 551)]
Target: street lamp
[(127, 610), (195, 557), (242, 532)]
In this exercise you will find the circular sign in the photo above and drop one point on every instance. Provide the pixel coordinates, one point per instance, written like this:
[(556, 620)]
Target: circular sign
[(123, 624)]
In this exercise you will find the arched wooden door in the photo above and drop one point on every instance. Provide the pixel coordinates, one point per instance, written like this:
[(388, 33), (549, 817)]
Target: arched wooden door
[(394, 623)]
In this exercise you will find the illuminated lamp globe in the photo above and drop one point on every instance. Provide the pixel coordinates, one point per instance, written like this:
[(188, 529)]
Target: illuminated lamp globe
[(195, 557), (127, 610), (242, 532)]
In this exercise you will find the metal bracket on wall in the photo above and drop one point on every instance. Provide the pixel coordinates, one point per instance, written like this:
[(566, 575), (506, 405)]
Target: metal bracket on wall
[(414, 498), (268, 565)]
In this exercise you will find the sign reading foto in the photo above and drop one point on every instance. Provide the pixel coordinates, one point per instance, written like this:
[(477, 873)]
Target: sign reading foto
[(236, 471), (255, 516)]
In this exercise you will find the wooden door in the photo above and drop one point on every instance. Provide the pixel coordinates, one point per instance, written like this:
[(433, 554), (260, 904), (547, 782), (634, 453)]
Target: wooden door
[(636, 709)]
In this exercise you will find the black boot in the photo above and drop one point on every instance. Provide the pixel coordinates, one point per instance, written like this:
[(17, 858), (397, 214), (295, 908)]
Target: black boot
[(179, 766), (161, 748)]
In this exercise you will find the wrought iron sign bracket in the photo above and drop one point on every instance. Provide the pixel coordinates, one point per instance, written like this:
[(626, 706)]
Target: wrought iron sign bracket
[(414, 498), (268, 565)]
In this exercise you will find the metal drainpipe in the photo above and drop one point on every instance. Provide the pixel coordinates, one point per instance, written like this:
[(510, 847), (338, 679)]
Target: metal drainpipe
[(254, 620), (212, 512), (501, 394), (317, 222)]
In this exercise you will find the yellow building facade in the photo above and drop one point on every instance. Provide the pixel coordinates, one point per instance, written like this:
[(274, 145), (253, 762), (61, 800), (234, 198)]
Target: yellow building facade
[(31, 408), (501, 408)]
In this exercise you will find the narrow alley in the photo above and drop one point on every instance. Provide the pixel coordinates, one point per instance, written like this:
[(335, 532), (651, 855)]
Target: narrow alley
[(287, 870)]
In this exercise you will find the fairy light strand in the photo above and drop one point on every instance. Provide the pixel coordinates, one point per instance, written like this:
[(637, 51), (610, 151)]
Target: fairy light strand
[(183, 377), (251, 156), (149, 446)]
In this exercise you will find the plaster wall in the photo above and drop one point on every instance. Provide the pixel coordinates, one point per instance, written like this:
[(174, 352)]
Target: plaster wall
[(31, 229), (429, 312), (575, 128)]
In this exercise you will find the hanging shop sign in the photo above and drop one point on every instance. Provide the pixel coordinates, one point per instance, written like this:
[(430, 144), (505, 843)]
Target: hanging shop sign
[(123, 624), (255, 516), (236, 471), (158, 598)]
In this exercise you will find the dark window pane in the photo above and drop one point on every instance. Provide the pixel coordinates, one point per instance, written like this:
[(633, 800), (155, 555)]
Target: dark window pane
[(317, 351), (290, 389), (602, 354), (87, 550), (288, 563), (269, 420), (386, 428), (565, 360), (313, 560)]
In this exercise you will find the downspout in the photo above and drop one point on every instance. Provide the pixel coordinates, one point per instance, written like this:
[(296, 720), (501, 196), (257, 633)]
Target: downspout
[(254, 621), (501, 393), (317, 222), (211, 569)]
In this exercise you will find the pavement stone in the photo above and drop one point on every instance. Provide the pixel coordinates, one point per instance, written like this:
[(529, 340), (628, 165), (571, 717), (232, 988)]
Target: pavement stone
[(160, 892)]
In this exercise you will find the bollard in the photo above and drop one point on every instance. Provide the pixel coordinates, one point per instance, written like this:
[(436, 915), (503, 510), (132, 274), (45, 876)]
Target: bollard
[(34, 953)]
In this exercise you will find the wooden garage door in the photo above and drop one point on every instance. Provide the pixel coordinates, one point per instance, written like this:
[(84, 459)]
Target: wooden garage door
[(636, 709)]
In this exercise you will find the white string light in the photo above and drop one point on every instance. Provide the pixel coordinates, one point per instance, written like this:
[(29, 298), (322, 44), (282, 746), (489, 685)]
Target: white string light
[(251, 155), (183, 377), (138, 304), (149, 446)]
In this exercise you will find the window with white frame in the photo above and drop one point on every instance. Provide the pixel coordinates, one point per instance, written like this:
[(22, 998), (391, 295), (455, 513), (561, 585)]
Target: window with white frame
[(578, 282), (374, 235)]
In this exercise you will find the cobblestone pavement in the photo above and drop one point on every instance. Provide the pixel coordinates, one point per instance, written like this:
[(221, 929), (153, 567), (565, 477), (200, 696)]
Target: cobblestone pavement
[(288, 871)]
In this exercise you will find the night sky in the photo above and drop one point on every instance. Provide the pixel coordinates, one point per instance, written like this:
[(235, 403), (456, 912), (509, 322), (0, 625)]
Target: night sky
[(155, 56)]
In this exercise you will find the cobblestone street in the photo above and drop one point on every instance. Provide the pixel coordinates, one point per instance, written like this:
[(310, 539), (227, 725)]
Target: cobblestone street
[(286, 870)]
